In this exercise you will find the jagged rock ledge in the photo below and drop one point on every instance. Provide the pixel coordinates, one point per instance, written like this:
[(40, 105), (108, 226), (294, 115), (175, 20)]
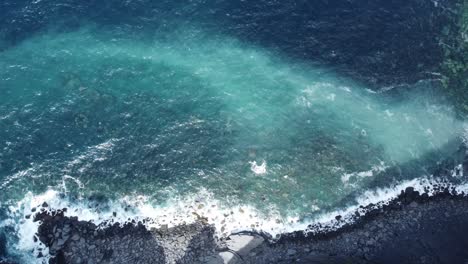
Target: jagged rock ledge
[(413, 228)]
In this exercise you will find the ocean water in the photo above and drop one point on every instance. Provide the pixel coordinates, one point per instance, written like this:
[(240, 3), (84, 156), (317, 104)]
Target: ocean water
[(163, 110)]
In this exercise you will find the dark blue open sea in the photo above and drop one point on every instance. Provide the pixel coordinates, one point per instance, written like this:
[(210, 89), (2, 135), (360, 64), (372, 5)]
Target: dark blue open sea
[(259, 115)]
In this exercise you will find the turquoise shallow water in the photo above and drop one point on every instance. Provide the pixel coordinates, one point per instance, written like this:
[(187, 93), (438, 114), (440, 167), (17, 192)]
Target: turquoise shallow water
[(98, 113), (123, 116)]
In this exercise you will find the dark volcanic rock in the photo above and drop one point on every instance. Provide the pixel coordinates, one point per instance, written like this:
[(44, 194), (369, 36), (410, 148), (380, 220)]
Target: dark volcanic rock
[(73, 241), (413, 228), (423, 230)]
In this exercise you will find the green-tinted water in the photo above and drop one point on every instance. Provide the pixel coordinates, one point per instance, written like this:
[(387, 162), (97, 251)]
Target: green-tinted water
[(192, 110)]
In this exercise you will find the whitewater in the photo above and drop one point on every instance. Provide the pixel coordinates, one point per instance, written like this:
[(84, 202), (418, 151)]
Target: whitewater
[(191, 124)]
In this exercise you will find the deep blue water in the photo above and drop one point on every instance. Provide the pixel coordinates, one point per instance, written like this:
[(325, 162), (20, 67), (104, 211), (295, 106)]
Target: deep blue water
[(274, 113)]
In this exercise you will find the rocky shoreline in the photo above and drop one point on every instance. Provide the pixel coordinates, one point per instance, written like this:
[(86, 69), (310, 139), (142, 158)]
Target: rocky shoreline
[(72, 241), (412, 228)]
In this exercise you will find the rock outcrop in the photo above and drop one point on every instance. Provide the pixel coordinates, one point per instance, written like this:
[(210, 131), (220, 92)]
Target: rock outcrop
[(414, 228)]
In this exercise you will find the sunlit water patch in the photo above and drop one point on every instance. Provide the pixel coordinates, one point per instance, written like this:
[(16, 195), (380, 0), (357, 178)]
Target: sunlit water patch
[(205, 122)]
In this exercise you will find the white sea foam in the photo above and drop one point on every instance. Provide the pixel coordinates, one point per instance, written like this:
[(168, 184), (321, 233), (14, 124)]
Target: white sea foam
[(66, 178), (175, 211), (258, 169), (94, 153), (23, 173), (4, 117), (458, 171), (465, 134), (228, 218), (379, 197), (331, 97), (84, 161), (375, 170), (187, 209)]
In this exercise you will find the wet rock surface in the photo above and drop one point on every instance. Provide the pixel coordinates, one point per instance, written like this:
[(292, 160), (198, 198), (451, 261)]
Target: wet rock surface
[(72, 241), (411, 229), (414, 228)]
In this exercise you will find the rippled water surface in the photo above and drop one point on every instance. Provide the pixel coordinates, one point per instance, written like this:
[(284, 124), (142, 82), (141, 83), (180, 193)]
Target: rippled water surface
[(172, 106)]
